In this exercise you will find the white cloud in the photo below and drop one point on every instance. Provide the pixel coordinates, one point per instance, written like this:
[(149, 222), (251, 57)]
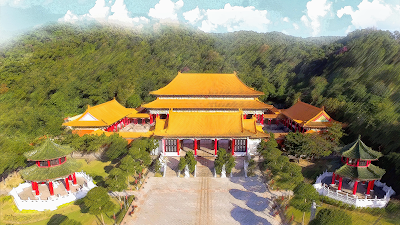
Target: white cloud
[(373, 14), (296, 27), (193, 15), (316, 10), (166, 10), (69, 17), (286, 19), (100, 11), (235, 18), (116, 14)]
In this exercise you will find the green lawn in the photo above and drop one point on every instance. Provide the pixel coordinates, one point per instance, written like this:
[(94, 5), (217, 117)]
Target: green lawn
[(10, 215), (357, 217), (94, 168)]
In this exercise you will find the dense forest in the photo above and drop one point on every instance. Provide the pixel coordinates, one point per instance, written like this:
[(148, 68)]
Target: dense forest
[(56, 71)]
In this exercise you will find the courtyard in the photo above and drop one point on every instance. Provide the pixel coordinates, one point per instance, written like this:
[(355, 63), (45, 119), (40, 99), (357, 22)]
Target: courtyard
[(203, 200)]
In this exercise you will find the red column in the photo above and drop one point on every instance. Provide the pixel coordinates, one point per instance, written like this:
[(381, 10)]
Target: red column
[(143, 121), (262, 118), (369, 187), (51, 188), (37, 163), (333, 178), (358, 162), (67, 184), (244, 116), (74, 179), (177, 146), (36, 188), (48, 163), (135, 121), (167, 116), (233, 146), (215, 146), (151, 118), (340, 183), (355, 187), (33, 186), (195, 147), (372, 185), (59, 160)]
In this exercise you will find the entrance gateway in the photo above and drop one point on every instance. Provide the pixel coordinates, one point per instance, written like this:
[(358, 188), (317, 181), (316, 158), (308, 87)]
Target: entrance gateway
[(203, 147)]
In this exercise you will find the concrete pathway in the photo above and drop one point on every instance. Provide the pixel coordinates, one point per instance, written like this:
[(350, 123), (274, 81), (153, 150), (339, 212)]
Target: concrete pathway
[(203, 200)]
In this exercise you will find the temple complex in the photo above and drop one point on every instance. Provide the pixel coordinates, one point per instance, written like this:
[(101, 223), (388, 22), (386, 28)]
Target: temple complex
[(202, 112), (51, 177)]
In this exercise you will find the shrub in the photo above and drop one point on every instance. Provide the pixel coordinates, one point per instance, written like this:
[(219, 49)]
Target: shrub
[(331, 217)]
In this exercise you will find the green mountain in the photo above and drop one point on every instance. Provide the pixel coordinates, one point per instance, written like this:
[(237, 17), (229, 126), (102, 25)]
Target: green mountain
[(56, 71)]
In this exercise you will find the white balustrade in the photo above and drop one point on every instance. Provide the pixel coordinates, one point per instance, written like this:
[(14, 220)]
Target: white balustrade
[(325, 190), (53, 202)]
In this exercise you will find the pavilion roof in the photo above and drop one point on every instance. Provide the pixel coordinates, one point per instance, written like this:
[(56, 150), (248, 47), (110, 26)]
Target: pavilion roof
[(48, 150), (207, 124), (206, 84), (207, 104), (36, 173), (308, 115), (358, 150), (101, 115), (371, 172)]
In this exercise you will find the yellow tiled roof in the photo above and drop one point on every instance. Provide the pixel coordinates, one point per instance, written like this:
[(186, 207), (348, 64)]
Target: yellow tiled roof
[(306, 114), (207, 84), (104, 115), (302, 111), (206, 104), (206, 124)]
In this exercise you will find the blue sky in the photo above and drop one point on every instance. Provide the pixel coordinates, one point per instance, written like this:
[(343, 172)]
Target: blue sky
[(300, 18)]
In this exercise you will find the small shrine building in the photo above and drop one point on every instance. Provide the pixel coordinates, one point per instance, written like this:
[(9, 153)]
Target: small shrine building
[(52, 180), (357, 182), (304, 117), (357, 158), (51, 163)]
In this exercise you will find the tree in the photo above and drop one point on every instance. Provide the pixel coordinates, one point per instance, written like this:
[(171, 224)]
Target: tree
[(305, 194), (118, 147), (331, 217), (97, 201), (140, 155), (190, 161), (312, 145), (133, 101), (223, 158), (129, 165), (147, 144), (117, 180), (182, 163)]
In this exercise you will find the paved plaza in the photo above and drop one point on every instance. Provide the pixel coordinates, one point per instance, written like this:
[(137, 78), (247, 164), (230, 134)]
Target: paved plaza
[(203, 200)]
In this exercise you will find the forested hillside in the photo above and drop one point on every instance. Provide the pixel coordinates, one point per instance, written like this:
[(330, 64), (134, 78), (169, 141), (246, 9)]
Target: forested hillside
[(57, 71)]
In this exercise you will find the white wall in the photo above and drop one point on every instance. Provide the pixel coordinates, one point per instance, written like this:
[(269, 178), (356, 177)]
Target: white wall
[(252, 145)]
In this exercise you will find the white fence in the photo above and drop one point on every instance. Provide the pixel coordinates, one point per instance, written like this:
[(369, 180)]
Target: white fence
[(325, 190), (54, 201)]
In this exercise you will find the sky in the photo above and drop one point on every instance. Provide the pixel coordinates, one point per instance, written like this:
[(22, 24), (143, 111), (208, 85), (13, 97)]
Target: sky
[(299, 18)]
